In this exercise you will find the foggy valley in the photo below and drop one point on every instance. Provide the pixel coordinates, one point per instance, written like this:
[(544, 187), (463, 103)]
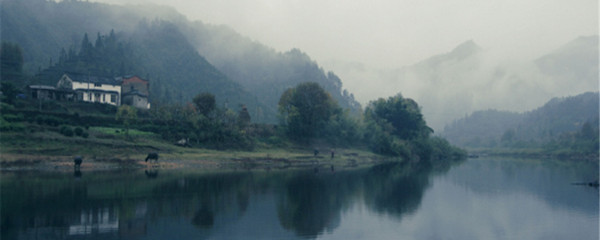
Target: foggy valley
[(305, 119)]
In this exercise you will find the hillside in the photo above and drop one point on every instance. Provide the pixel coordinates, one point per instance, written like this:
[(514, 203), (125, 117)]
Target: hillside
[(556, 120), (262, 70), (178, 56)]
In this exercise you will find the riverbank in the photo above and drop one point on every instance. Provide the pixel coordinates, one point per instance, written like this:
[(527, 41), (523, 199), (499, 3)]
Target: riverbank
[(53, 151)]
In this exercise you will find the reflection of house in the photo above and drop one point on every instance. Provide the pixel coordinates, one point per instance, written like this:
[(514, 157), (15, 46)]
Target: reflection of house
[(135, 92), (92, 88), (135, 226), (96, 221)]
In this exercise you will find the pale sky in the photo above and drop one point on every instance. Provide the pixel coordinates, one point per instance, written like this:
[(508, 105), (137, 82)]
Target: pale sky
[(394, 33)]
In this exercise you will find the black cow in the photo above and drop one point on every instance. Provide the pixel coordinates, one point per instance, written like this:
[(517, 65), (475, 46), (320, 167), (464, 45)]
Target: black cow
[(151, 156), (77, 160)]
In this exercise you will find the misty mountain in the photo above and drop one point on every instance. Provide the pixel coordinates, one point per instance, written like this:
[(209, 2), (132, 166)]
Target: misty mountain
[(559, 116), (155, 50), (262, 70), (43, 27), (577, 59), (175, 54), (470, 77)]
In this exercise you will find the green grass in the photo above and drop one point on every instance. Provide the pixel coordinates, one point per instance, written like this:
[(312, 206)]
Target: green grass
[(121, 132)]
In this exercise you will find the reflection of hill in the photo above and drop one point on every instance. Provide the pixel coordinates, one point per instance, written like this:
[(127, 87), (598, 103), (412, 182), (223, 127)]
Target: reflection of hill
[(550, 181), (286, 204)]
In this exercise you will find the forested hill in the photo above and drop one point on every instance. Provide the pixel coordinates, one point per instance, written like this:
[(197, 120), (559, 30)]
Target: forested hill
[(261, 69), (181, 58), (557, 120)]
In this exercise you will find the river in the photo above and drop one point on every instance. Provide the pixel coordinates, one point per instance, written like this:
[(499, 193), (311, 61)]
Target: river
[(486, 198)]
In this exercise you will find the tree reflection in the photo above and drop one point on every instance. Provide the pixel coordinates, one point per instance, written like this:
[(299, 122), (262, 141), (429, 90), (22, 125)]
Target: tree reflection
[(311, 204), (395, 189), (304, 203), (204, 218)]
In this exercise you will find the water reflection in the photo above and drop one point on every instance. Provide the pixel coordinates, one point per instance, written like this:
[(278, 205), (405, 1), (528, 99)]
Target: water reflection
[(267, 204), (95, 221), (394, 189), (151, 173)]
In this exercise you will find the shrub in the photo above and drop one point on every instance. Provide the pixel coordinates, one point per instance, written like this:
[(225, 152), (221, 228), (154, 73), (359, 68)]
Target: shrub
[(39, 120), (78, 131), (67, 131), (52, 121), (7, 126), (13, 118)]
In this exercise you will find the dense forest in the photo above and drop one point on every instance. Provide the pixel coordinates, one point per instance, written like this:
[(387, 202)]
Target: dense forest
[(157, 43), (570, 122)]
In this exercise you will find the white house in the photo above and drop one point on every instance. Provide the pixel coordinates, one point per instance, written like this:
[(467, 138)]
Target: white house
[(92, 88)]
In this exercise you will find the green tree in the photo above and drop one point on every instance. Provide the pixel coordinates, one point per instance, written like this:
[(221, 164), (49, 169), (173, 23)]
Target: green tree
[(305, 110), (243, 117), (9, 92), (205, 103), (395, 126), (86, 49), (11, 62), (400, 116), (127, 115), (508, 136)]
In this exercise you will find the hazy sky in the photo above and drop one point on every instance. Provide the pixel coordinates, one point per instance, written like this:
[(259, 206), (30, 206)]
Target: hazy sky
[(393, 33)]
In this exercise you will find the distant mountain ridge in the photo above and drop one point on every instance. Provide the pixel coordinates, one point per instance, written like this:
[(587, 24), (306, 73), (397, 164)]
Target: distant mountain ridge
[(183, 57), (469, 77), (577, 59), (555, 118)]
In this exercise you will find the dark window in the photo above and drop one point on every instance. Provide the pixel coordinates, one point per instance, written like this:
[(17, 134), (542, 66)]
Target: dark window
[(97, 85), (113, 98)]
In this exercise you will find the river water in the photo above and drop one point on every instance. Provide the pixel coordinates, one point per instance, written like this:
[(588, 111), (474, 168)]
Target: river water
[(487, 198)]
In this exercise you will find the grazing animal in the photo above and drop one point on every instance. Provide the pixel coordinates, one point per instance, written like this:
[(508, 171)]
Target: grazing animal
[(77, 160), (152, 156)]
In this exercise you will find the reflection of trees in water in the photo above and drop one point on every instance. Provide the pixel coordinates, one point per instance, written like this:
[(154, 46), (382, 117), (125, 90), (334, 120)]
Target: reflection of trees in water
[(204, 197), (395, 189), (307, 204), (203, 218), (311, 204)]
